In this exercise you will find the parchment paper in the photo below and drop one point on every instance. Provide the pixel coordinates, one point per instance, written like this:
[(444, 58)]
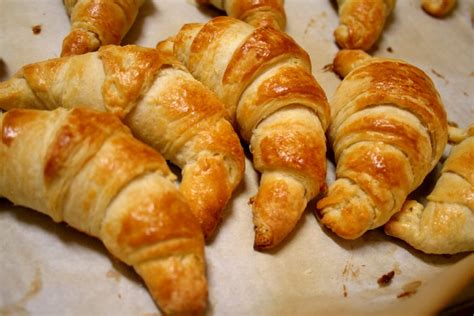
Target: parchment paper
[(50, 269)]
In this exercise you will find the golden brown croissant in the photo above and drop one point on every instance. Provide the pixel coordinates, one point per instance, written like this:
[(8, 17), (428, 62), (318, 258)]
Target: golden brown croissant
[(95, 23), (264, 78), (84, 168), (438, 8), (162, 104), (388, 131), (255, 12), (361, 22), (446, 224)]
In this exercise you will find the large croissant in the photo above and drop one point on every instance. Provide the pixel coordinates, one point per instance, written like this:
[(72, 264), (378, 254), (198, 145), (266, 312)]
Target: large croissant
[(162, 104), (86, 169), (446, 224), (361, 22), (388, 131), (95, 23), (438, 8), (255, 12), (265, 81)]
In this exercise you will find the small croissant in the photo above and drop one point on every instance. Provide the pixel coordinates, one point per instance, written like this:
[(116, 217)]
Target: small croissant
[(264, 79), (85, 168), (255, 12), (388, 131), (159, 100), (445, 225), (438, 8), (361, 22), (96, 23)]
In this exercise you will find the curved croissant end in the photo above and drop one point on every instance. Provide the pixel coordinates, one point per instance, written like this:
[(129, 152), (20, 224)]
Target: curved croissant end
[(96, 23), (446, 224), (438, 8), (361, 22)]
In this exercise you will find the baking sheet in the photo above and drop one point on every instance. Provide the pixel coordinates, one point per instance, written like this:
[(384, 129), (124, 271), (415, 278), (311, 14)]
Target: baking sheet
[(50, 269)]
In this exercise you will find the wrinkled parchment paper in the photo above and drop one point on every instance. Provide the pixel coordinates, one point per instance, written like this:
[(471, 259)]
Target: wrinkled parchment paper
[(50, 269)]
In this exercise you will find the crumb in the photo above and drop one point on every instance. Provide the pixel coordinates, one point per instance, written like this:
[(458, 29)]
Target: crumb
[(119, 295), (465, 93), (386, 279), (328, 67), (437, 73), (389, 49), (36, 29), (113, 274), (251, 200), (344, 288)]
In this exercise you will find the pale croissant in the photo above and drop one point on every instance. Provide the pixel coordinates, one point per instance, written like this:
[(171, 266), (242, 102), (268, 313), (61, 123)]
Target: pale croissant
[(388, 131), (361, 22), (95, 23), (85, 168), (264, 78), (446, 224), (255, 12), (438, 8), (162, 104)]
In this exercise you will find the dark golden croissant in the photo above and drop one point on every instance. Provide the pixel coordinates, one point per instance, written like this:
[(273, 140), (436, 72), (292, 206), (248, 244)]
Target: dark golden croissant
[(446, 224), (361, 22), (255, 12), (438, 8), (264, 78), (95, 23), (162, 104), (388, 131), (85, 168)]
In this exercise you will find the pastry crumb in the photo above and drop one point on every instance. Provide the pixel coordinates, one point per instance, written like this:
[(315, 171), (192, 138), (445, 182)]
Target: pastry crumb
[(390, 49), (36, 29), (409, 289), (386, 279)]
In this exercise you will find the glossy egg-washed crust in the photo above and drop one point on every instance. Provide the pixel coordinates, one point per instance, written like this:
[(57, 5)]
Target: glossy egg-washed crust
[(388, 131), (255, 12), (88, 171), (265, 81), (361, 22), (445, 225), (95, 23), (438, 8), (162, 104)]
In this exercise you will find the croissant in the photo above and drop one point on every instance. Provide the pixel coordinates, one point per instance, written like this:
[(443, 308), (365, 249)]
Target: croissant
[(438, 8), (446, 224), (361, 22), (264, 78), (98, 22), (388, 131), (159, 100), (85, 168), (255, 12)]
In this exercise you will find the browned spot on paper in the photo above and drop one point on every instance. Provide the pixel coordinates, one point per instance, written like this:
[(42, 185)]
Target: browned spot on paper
[(113, 274), (409, 289), (36, 29), (350, 271), (471, 74), (465, 93), (386, 279), (390, 49), (344, 290), (310, 24)]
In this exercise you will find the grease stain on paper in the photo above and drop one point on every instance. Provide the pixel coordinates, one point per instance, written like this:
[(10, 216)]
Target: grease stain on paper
[(18, 308)]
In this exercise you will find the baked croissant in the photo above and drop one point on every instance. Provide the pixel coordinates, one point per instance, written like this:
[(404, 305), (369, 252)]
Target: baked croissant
[(388, 131), (159, 100), (446, 224), (85, 168), (265, 81), (95, 23), (255, 12), (361, 22), (438, 8)]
